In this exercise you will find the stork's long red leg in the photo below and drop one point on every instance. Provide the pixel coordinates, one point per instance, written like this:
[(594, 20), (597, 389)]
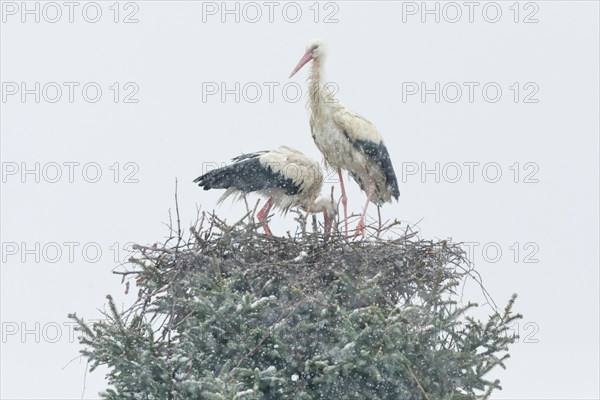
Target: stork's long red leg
[(344, 202), (263, 214), (360, 229)]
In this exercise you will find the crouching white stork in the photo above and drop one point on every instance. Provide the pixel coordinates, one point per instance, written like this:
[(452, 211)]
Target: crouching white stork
[(347, 140), (285, 176)]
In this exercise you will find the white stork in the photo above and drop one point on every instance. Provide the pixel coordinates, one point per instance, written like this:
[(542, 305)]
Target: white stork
[(347, 140), (285, 176)]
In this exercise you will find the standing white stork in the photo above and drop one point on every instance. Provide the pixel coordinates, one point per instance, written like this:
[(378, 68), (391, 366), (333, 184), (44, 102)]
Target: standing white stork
[(347, 140), (285, 176)]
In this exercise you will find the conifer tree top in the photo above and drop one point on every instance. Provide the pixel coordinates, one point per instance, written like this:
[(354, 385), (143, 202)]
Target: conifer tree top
[(230, 313)]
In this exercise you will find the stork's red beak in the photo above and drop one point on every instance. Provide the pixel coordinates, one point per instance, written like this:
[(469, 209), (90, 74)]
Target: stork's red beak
[(305, 58)]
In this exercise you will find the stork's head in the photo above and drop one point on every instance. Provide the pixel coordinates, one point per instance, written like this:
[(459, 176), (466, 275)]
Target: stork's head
[(325, 205), (315, 50)]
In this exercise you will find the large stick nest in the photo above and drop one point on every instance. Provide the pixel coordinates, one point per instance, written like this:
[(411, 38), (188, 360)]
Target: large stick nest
[(404, 265)]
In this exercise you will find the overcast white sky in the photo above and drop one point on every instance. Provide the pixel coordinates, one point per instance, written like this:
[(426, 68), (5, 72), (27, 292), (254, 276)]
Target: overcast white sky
[(517, 85)]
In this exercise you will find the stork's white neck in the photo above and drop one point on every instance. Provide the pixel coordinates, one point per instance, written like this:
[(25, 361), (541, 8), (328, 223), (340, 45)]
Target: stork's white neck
[(316, 70), (320, 95), (321, 204), (316, 80)]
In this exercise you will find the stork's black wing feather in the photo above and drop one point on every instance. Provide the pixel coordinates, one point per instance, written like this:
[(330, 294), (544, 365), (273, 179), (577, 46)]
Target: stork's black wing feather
[(249, 155), (380, 155), (247, 174)]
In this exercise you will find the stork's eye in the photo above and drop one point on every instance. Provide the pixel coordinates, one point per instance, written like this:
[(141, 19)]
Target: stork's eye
[(316, 46)]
